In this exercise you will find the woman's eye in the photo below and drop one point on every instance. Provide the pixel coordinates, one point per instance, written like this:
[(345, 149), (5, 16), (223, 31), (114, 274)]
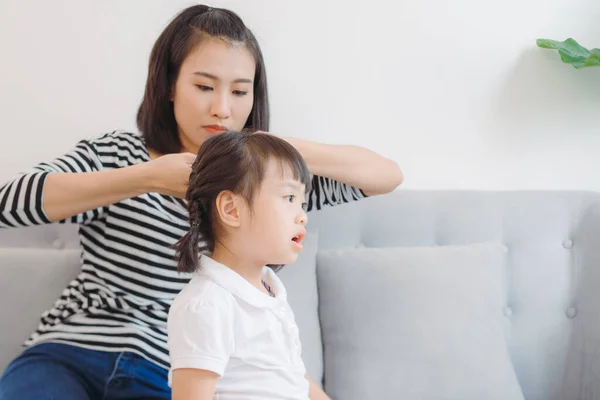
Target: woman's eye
[(204, 88), (240, 92)]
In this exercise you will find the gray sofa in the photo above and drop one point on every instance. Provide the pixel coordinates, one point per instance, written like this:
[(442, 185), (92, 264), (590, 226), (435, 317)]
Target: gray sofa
[(376, 331)]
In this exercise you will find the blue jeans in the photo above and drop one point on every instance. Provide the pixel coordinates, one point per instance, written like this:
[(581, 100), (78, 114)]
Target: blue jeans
[(52, 371)]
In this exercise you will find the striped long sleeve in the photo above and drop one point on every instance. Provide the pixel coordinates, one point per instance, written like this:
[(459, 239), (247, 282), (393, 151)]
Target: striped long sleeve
[(329, 192), (21, 198)]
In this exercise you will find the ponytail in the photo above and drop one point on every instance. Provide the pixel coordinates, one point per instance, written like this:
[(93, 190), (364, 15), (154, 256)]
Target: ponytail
[(200, 229), (187, 249)]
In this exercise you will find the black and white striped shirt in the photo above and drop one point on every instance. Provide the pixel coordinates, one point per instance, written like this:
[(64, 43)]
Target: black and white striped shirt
[(121, 298)]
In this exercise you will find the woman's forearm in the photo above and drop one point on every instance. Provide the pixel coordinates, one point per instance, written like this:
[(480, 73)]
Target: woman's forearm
[(353, 165), (68, 194)]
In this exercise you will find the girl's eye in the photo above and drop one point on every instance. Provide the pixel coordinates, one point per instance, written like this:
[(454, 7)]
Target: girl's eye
[(290, 198), (240, 92), (305, 207), (204, 88)]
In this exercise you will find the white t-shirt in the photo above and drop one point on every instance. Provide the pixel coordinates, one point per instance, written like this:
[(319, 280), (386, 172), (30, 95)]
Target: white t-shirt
[(222, 323)]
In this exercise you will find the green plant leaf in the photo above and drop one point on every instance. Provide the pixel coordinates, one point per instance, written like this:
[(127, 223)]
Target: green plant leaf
[(572, 52)]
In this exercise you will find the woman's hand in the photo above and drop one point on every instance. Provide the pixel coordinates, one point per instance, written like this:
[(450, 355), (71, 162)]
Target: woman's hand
[(169, 175)]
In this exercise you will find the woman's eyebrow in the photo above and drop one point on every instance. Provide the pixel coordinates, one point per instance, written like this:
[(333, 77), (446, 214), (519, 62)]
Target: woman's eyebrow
[(216, 78)]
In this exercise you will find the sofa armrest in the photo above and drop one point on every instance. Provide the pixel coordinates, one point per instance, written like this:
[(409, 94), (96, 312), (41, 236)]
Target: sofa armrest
[(31, 280), (582, 372)]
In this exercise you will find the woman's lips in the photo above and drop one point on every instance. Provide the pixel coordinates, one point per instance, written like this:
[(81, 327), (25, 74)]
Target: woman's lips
[(215, 129)]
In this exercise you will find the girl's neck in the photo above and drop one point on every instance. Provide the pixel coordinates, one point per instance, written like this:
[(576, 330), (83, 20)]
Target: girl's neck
[(246, 268)]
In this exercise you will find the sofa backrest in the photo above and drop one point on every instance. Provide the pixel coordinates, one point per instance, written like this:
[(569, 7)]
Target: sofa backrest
[(553, 244), (552, 240)]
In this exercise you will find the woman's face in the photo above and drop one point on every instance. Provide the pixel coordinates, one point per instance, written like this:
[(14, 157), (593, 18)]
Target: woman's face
[(213, 92)]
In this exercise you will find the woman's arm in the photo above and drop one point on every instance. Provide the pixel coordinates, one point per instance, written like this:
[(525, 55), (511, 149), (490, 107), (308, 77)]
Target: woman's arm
[(70, 194), (315, 392), (353, 165), (66, 195), (76, 186), (193, 384)]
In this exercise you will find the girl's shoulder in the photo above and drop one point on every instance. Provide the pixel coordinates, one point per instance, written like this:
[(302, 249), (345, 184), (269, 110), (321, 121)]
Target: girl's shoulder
[(200, 293)]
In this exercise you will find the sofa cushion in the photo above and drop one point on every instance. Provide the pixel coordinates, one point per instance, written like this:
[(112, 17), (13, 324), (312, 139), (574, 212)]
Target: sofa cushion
[(32, 280), (415, 323), (300, 280)]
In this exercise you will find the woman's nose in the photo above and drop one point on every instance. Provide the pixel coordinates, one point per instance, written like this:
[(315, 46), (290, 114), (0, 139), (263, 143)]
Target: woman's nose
[(220, 107)]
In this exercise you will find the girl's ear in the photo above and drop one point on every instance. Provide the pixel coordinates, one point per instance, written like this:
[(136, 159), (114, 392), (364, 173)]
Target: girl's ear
[(228, 208)]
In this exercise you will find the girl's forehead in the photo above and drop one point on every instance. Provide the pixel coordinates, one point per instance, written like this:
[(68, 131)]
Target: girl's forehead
[(279, 174), (279, 170)]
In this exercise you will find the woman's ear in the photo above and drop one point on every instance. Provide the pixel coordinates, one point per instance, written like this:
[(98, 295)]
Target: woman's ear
[(228, 208)]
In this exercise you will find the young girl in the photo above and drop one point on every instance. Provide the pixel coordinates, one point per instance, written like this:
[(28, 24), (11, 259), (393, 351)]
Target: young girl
[(231, 332)]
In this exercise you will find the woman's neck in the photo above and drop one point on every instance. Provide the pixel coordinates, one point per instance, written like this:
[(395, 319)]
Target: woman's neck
[(244, 266), (186, 145), (153, 154)]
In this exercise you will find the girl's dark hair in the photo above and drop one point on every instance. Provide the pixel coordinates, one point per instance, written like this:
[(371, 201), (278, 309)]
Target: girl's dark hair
[(234, 161), (156, 118)]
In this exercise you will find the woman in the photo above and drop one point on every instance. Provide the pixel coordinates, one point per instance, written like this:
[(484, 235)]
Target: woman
[(106, 336)]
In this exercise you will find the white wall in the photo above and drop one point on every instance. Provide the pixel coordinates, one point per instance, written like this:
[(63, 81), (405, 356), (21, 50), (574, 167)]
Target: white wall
[(455, 91)]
